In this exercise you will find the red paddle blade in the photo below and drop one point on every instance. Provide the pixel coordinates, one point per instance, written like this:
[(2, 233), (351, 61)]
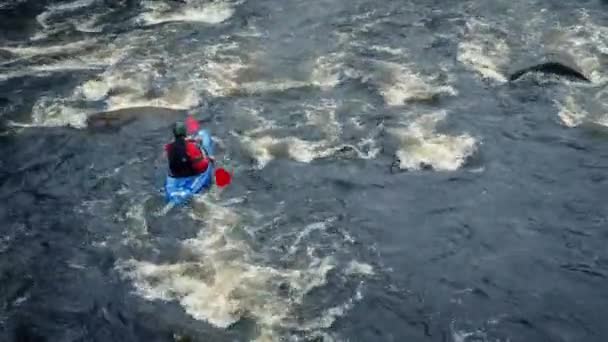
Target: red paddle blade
[(192, 125), (222, 177)]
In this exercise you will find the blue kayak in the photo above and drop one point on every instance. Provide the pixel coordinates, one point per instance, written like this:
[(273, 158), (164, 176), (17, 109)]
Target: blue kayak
[(180, 190)]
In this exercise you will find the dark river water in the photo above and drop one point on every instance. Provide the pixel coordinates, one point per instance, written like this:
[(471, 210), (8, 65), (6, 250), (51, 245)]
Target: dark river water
[(390, 183)]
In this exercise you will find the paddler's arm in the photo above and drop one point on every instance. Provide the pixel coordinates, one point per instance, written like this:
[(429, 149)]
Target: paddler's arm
[(198, 140)]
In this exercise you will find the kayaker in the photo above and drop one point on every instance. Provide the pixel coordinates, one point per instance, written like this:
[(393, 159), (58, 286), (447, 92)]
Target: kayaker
[(184, 155)]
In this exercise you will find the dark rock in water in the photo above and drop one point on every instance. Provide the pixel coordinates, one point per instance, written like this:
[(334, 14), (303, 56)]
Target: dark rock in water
[(426, 166), (107, 120), (395, 168), (347, 152), (555, 68), (284, 289), (149, 117)]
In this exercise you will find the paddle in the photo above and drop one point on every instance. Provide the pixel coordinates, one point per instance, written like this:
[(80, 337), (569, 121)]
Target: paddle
[(222, 177)]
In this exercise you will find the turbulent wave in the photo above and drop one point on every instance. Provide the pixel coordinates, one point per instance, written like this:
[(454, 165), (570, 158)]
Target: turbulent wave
[(423, 147), (399, 84), (219, 281), (263, 146), (585, 43)]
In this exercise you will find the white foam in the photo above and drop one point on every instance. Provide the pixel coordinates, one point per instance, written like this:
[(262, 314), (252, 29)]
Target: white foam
[(43, 18), (88, 25), (61, 111), (326, 71), (131, 89), (388, 49), (135, 223), (263, 124), (461, 335), (570, 114), (220, 283), (49, 69), (399, 84), (317, 226), (68, 48), (356, 267), (221, 77), (71, 5), (142, 82), (93, 60), (66, 65), (94, 90), (175, 98), (367, 147), (220, 71), (266, 148), (323, 115), (369, 144), (19, 300), (421, 145), (380, 48), (483, 51), (584, 42), (52, 112), (207, 293), (209, 13), (325, 319)]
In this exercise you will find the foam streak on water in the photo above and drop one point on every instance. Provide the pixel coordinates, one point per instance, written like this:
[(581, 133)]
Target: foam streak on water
[(45, 18), (208, 13), (28, 51)]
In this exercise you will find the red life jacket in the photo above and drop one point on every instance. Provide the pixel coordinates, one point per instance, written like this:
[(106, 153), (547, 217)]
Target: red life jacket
[(185, 158)]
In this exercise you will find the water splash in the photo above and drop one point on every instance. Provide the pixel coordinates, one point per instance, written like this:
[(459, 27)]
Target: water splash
[(422, 146)]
